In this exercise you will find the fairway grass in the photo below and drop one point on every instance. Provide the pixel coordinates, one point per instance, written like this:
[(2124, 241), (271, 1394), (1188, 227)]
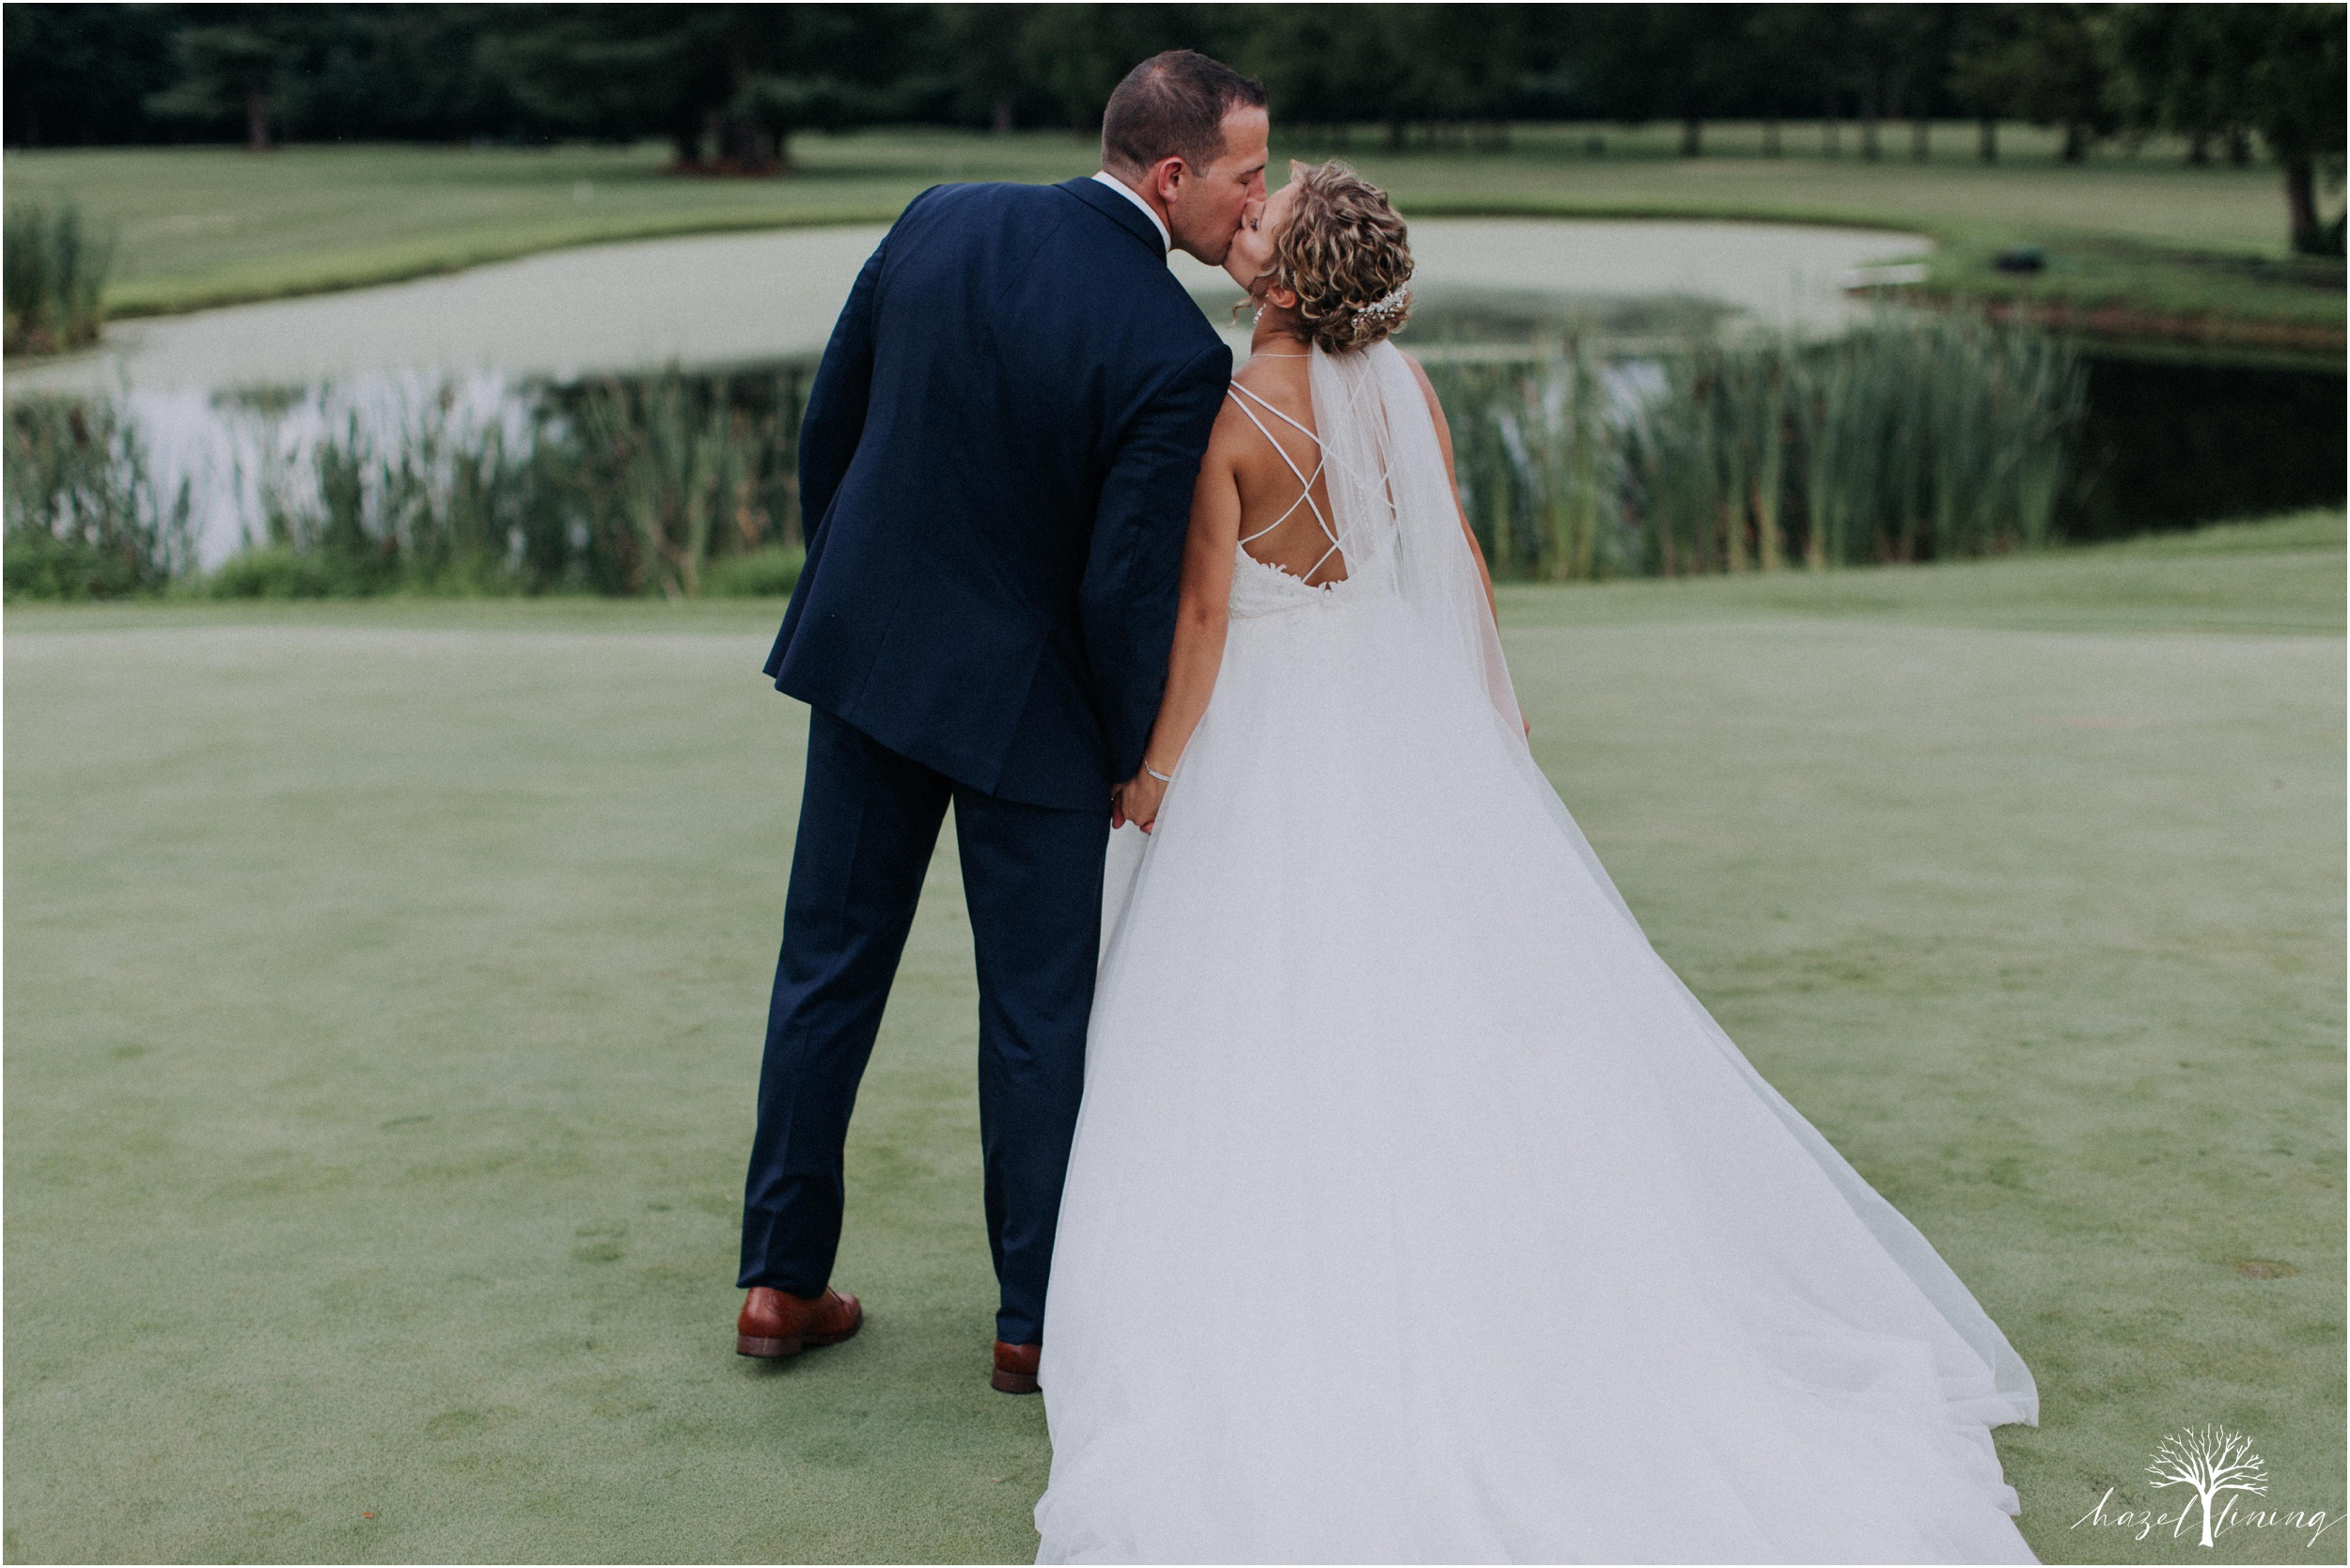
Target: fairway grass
[(207, 225), (387, 981)]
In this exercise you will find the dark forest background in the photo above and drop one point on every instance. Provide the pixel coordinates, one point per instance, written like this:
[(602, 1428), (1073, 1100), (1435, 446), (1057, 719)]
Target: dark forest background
[(734, 81), (727, 86)]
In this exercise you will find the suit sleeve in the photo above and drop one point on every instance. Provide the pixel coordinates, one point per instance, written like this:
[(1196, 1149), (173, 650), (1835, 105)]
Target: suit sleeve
[(836, 399), (833, 420), (1128, 595)]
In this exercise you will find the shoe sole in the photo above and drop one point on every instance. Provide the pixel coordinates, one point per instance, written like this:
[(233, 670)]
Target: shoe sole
[(1013, 1383), (766, 1349), (762, 1348)]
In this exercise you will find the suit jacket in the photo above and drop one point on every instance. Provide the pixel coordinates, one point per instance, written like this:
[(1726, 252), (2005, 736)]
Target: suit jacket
[(996, 473)]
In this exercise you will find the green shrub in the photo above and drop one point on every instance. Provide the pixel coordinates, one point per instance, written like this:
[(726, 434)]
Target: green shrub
[(280, 572), (771, 573), (41, 566)]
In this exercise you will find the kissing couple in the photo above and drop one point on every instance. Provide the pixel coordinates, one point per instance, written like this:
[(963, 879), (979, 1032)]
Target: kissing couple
[(1361, 1184)]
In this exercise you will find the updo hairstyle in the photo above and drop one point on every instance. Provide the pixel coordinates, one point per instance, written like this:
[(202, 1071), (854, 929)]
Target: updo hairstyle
[(1342, 252)]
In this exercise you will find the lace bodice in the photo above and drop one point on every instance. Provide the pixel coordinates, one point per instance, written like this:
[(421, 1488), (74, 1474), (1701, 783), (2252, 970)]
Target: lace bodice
[(1259, 587)]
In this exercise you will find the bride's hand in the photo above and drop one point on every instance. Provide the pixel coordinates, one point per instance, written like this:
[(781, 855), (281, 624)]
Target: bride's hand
[(1137, 802)]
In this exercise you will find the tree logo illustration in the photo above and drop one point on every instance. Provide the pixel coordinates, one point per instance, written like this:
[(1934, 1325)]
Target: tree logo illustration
[(2212, 1461)]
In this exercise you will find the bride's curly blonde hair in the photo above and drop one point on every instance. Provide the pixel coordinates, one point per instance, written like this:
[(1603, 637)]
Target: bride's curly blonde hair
[(1343, 252)]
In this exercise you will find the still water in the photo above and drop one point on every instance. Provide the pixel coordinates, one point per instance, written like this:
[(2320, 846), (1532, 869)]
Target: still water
[(231, 401)]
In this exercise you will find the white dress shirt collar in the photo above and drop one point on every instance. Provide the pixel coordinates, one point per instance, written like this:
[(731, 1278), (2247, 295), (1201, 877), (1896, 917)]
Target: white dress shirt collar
[(1166, 241)]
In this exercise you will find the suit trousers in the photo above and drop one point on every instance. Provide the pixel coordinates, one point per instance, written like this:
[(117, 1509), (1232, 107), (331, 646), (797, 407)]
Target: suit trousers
[(1032, 880)]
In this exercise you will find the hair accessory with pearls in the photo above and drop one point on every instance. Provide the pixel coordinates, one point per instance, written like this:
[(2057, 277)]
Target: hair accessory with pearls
[(1386, 306)]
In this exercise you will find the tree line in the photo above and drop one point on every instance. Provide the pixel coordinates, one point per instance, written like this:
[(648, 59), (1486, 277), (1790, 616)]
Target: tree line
[(728, 86)]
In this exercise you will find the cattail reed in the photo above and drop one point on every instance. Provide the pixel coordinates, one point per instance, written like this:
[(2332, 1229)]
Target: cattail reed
[(86, 518), (1913, 437), (618, 486), (52, 277)]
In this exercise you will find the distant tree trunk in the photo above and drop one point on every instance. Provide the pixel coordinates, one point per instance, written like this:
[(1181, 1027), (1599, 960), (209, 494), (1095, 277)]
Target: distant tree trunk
[(1987, 139), (1868, 118), (1921, 138), (2076, 141), (2301, 204), (742, 144), (685, 143), (1828, 147), (2198, 149), (1002, 125), (2239, 146), (752, 149), (1770, 138), (1692, 137), (255, 121)]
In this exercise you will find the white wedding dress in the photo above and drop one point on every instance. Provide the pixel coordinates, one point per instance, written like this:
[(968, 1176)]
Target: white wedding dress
[(1418, 1211)]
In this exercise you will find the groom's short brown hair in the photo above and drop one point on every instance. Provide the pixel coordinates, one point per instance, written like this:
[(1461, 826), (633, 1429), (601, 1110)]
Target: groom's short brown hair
[(1172, 105)]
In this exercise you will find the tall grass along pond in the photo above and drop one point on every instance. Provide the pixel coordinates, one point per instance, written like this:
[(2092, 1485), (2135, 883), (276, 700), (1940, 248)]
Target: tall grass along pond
[(52, 277), (658, 484), (85, 516), (1913, 437)]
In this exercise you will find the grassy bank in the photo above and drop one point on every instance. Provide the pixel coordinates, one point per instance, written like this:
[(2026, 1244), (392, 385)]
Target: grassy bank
[(208, 225), (386, 980)]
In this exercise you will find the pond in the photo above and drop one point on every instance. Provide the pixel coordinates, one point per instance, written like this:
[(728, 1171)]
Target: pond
[(225, 396), (232, 400), (721, 299)]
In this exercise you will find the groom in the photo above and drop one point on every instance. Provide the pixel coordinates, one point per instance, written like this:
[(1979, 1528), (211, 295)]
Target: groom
[(995, 471)]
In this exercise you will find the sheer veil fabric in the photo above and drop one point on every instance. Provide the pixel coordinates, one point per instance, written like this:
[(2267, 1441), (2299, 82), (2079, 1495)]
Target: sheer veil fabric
[(1416, 1211)]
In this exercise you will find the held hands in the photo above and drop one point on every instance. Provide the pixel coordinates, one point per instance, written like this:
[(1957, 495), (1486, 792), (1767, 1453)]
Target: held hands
[(1136, 800)]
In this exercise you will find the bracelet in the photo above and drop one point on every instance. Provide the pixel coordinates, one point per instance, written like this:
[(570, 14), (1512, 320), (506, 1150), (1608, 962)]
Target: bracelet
[(1162, 777)]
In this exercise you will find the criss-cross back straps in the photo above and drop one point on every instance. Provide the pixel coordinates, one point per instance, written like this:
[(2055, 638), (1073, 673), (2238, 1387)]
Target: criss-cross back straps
[(1305, 480)]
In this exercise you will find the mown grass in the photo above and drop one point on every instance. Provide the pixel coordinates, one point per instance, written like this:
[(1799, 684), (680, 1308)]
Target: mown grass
[(2281, 575), (207, 225), (386, 978)]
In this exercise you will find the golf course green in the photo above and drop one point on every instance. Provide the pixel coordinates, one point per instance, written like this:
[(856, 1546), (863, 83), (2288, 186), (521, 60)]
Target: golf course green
[(2132, 224), (387, 979)]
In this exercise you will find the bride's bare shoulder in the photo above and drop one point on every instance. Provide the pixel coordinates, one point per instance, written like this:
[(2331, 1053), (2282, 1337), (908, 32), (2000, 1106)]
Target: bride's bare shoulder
[(1232, 428), (1278, 393)]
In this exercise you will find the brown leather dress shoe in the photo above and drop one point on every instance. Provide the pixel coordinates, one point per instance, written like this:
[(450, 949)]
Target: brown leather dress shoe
[(777, 1323), (1015, 1369)]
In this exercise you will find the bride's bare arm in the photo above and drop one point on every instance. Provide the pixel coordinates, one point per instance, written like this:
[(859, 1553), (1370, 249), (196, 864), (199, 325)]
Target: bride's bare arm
[(1444, 440), (1200, 621)]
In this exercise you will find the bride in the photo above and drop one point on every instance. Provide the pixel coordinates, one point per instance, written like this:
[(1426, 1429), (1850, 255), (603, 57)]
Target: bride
[(1416, 1211)]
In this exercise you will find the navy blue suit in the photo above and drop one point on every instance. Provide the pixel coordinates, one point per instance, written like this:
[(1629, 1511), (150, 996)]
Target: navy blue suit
[(996, 468)]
